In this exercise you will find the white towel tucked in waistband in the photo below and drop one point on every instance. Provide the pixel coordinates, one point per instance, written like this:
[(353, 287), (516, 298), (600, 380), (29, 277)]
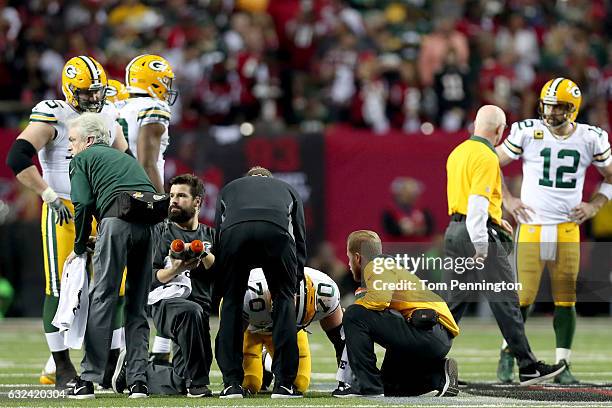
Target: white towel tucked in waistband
[(548, 242)]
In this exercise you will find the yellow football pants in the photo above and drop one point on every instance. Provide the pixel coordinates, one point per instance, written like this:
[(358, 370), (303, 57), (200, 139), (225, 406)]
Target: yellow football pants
[(563, 270), (58, 242), (253, 366)]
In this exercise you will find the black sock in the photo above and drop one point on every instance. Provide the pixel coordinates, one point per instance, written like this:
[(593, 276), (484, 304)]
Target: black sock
[(62, 361)]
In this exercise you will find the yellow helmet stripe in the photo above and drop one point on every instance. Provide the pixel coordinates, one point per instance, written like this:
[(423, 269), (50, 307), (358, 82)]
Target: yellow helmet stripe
[(93, 70)]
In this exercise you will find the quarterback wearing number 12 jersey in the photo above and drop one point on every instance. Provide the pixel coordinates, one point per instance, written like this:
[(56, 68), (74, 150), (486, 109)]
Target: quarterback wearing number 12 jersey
[(556, 152), (553, 168)]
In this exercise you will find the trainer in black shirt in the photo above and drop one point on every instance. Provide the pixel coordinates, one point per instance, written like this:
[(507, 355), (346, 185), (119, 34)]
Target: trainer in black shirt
[(260, 223), (180, 296)]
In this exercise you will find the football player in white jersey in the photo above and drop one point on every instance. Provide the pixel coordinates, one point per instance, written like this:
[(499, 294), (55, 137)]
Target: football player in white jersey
[(556, 152), (318, 299), (145, 117), (84, 85), (116, 93)]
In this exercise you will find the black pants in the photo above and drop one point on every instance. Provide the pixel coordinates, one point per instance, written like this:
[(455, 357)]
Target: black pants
[(504, 305), (243, 247), (185, 322), (414, 358)]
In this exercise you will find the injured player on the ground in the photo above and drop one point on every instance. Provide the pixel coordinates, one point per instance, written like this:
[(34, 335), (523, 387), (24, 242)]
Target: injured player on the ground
[(318, 299)]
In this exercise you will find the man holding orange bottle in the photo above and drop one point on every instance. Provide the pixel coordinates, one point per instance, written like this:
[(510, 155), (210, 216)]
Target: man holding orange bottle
[(180, 296)]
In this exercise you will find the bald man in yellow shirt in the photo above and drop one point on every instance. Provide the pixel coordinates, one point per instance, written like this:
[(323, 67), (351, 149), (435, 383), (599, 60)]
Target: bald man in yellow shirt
[(478, 233)]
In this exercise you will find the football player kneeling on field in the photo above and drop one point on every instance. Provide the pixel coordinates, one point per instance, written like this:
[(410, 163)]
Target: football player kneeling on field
[(415, 327), (318, 299)]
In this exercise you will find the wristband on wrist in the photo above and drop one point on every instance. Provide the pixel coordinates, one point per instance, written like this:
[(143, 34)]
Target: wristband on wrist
[(49, 195)]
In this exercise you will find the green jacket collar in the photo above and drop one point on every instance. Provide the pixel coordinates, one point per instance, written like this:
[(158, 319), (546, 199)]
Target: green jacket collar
[(483, 140)]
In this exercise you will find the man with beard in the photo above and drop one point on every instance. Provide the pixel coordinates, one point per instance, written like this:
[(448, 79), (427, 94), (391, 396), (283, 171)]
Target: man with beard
[(180, 296)]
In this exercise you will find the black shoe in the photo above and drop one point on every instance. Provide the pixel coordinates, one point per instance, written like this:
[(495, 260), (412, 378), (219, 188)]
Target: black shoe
[(282, 391), (111, 363), (199, 391), (539, 372), (450, 388), (346, 391), (119, 379), (232, 391), (82, 389), (139, 390), (65, 379)]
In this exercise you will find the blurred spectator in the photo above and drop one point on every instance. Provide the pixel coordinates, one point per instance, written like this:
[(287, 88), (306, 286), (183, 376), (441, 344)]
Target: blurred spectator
[(308, 63), (217, 101), (402, 91), (134, 14), (369, 106), (405, 219), (520, 39), (10, 25), (435, 47), (497, 78), (412, 98), (338, 69), (451, 88)]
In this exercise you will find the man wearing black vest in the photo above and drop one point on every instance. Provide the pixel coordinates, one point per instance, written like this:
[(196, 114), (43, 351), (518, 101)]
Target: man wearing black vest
[(259, 223)]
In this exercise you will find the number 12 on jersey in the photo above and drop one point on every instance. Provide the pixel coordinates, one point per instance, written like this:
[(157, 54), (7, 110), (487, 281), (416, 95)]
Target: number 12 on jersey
[(546, 181)]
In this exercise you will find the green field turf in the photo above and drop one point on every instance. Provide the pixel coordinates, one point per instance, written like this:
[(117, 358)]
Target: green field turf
[(23, 353)]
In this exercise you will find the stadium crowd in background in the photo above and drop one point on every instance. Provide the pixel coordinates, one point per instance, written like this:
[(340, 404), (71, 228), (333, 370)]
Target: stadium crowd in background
[(307, 63), (304, 64)]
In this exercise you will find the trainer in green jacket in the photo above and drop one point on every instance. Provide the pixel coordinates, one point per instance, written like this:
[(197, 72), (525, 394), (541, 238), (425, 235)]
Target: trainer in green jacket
[(98, 173)]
